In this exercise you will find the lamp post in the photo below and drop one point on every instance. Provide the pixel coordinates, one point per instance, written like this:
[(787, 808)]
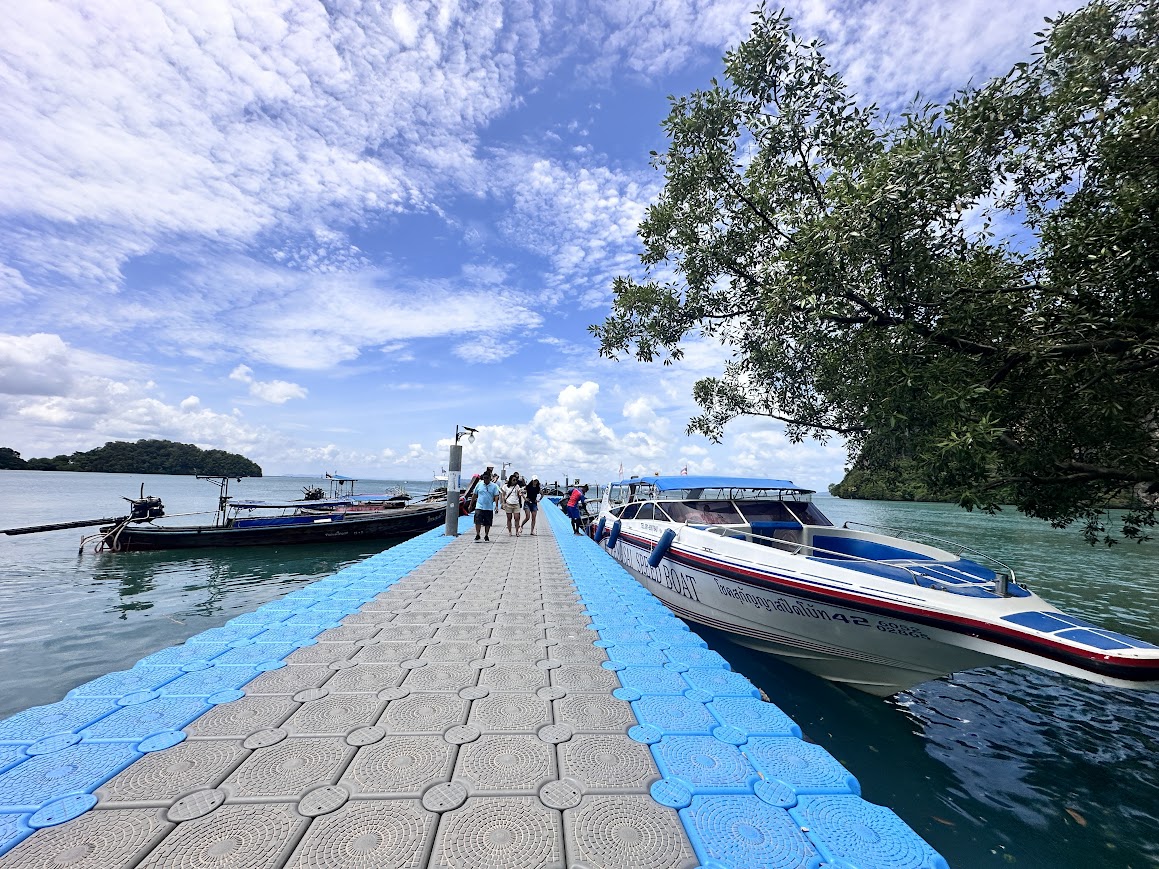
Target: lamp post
[(454, 468), (503, 472)]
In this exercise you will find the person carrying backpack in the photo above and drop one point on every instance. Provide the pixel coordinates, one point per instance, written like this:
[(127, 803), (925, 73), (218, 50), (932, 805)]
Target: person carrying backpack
[(575, 500)]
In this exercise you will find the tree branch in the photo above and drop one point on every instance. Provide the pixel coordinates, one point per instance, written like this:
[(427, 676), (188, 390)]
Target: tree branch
[(802, 423)]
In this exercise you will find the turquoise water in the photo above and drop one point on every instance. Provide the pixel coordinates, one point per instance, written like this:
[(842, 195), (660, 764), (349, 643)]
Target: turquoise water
[(996, 767)]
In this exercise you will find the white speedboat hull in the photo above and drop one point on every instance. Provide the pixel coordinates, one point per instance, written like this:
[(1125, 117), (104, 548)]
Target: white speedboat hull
[(869, 632)]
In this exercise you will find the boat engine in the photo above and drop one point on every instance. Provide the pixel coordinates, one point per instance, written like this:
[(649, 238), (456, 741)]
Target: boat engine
[(145, 508)]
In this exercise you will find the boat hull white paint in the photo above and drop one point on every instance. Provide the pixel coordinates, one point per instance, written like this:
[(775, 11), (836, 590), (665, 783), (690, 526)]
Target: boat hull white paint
[(877, 655), (875, 648)]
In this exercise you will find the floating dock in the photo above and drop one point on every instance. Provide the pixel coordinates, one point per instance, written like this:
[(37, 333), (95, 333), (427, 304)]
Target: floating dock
[(446, 703)]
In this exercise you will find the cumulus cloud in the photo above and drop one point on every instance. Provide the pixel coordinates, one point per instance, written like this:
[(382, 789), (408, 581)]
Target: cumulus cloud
[(34, 365), (273, 391)]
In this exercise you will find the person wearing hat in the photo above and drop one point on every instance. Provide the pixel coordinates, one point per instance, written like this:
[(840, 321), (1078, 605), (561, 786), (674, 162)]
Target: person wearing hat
[(531, 493), (575, 500)]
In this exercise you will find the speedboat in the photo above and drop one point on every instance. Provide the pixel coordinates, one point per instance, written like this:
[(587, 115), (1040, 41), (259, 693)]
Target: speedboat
[(876, 609)]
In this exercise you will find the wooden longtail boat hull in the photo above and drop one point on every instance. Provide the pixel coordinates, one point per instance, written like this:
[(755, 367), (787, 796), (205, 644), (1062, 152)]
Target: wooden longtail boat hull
[(406, 522)]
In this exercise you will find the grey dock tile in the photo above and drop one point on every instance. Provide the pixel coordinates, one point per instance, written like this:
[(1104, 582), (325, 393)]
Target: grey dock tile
[(290, 768), (607, 762), (336, 714), (239, 718), (369, 677), (503, 833), (100, 839), (290, 679), (230, 836), (505, 763), (166, 775), (424, 712), (625, 832), (391, 834), (399, 765)]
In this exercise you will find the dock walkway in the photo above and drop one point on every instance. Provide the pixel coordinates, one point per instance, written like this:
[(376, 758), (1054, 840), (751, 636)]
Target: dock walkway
[(445, 703)]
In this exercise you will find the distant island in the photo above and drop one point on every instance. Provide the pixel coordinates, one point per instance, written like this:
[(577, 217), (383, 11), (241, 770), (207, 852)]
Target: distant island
[(142, 457)]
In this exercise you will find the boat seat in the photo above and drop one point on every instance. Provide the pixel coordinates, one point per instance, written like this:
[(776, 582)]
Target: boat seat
[(964, 577), (788, 532)]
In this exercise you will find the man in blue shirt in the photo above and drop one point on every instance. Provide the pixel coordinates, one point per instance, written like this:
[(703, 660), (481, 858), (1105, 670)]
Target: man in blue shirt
[(487, 494)]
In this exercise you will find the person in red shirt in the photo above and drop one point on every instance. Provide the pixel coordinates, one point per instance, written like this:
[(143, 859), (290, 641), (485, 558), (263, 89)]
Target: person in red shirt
[(575, 500)]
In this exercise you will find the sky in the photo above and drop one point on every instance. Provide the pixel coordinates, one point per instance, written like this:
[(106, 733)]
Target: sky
[(324, 234)]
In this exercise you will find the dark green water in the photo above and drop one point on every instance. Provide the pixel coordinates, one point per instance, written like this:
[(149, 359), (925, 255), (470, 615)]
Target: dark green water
[(995, 768)]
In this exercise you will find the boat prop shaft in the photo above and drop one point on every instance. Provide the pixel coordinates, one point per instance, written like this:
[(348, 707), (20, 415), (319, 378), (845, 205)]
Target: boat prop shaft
[(81, 523)]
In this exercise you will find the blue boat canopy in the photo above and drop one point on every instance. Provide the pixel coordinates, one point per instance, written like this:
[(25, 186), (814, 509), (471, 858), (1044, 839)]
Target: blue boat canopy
[(666, 483)]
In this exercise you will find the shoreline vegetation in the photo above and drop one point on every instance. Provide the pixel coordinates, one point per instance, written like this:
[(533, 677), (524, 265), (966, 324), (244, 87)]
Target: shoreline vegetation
[(142, 457), (898, 482), (900, 479)]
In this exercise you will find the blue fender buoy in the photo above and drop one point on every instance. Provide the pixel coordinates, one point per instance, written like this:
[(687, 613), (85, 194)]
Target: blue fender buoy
[(661, 548), (600, 528), (614, 534)]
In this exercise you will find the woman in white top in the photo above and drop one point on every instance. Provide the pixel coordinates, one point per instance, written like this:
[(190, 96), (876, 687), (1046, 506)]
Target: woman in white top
[(512, 495)]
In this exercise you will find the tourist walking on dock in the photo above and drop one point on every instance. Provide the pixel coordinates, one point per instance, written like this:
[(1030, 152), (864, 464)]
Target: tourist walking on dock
[(531, 493), (487, 496), (575, 501), (512, 494)]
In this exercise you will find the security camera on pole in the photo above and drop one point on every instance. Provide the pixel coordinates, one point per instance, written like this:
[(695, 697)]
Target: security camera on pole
[(454, 469)]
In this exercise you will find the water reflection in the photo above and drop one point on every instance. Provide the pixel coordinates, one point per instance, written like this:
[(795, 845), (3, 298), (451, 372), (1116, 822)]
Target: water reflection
[(74, 619), (213, 582)]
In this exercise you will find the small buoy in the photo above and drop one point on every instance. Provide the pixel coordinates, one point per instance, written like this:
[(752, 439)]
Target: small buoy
[(614, 535), (600, 528), (661, 548)]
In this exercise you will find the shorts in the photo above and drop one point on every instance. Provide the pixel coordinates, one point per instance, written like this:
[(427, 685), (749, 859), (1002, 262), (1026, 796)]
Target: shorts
[(511, 508), (484, 518), (532, 506), (573, 512)]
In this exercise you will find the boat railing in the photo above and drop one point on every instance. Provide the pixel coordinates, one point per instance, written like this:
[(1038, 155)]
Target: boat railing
[(744, 532)]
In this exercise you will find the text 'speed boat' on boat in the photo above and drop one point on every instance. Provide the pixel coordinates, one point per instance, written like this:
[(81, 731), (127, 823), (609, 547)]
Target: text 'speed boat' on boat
[(317, 518), (867, 607)]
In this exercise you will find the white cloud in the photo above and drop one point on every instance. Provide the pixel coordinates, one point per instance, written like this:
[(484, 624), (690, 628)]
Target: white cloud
[(34, 365), (483, 347), (276, 391), (273, 391), (583, 217), (243, 373), (155, 119)]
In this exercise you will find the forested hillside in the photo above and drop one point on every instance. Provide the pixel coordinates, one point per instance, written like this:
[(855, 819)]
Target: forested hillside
[(142, 457)]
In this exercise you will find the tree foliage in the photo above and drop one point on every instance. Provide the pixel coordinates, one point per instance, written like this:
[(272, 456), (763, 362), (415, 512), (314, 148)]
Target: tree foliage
[(142, 457), (10, 459), (969, 285)]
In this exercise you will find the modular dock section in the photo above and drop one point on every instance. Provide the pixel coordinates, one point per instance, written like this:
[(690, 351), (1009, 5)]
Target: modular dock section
[(446, 703)]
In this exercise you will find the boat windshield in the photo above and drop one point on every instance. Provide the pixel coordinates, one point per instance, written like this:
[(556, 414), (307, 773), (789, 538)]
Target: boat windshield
[(782, 511), (723, 512), (704, 512)]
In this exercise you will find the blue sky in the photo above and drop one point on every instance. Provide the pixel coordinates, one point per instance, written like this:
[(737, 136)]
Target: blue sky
[(321, 234)]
